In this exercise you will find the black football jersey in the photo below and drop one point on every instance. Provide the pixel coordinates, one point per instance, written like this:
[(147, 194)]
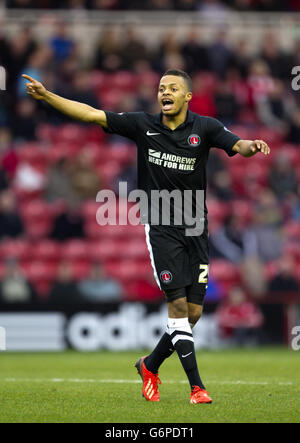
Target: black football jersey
[(172, 159)]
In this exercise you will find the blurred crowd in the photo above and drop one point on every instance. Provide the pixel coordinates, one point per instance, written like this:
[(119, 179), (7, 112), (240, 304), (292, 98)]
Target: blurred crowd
[(47, 159), (161, 5)]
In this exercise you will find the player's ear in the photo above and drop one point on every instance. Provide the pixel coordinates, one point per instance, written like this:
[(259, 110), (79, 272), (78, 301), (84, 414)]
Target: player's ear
[(188, 96)]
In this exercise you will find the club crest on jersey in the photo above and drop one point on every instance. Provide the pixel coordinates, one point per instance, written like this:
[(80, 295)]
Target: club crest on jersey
[(194, 140), (166, 276)]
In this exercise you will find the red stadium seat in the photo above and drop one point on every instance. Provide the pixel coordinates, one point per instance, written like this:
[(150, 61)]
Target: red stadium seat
[(224, 271), (35, 210), (75, 250), (217, 210), (124, 81), (71, 133), (105, 250), (37, 271), (292, 230), (81, 270), (242, 208), (47, 250), (136, 249), (19, 249), (38, 229)]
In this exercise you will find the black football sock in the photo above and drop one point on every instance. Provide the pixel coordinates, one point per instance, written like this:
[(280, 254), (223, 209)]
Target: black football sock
[(182, 339), (162, 351)]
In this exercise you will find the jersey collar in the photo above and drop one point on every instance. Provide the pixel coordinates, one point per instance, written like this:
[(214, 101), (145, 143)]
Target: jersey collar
[(189, 119)]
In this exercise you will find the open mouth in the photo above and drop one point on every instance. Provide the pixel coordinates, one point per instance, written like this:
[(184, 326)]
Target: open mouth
[(167, 104)]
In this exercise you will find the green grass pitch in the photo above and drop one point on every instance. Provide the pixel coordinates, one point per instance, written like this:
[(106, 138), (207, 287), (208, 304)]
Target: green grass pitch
[(247, 385)]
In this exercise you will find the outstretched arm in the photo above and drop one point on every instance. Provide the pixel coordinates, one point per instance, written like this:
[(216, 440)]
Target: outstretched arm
[(73, 109), (248, 148)]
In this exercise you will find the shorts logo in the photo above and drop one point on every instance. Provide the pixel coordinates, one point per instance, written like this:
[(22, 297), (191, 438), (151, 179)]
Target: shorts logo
[(194, 140), (166, 276)]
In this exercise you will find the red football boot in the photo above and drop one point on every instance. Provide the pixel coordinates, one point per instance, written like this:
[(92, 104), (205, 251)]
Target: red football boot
[(150, 381), (199, 395)]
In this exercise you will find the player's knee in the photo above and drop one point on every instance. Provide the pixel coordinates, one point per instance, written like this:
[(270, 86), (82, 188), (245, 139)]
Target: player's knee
[(195, 313), (177, 304), (194, 318)]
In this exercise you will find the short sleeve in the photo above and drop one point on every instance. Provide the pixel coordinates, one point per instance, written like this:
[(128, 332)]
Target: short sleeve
[(220, 137), (123, 123)]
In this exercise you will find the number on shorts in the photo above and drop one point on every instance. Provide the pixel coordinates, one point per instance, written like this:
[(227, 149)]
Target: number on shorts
[(203, 273)]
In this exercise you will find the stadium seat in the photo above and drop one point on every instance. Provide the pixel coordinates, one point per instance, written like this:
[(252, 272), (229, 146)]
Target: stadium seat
[(224, 271), (292, 230), (15, 248), (217, 210), (81, 269), (75, 250), (105, 250), (125, 81), (242, 208), (47, 250), (37, 271), (34, 155), (71, 133)]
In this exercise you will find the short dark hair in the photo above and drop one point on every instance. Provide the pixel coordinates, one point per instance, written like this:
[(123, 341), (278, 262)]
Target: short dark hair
[(184, 75)]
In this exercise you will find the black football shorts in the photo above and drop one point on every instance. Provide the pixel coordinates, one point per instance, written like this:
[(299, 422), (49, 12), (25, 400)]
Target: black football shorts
[(179, 261)]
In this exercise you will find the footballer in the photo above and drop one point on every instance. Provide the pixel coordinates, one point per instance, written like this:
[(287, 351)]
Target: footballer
[(180, 262)]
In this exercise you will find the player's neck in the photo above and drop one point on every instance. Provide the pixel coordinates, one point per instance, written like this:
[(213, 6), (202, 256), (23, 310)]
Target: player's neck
[(173, 122)]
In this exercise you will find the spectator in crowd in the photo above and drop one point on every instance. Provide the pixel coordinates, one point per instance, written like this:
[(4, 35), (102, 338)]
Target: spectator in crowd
[(267, 226), (59, 184), (21, 47), (239, 318), (132, 49), (68, 225), (82, 91), (11, 224), (220, 54), (227, 106), (241, 57), (29, 179), (108, 51), (195, 54), (233, 241), (293, 135), (38, 62), (284, 281), (260, 80), (61, 44), (202, 102), (85, 180), (274, 108), (128, 175), (168, 53), (24, 125), (14, 287), (277, 60), (98, 287), (221, 186), (8, 155), (64, 290), (3, 179), (282, 177)]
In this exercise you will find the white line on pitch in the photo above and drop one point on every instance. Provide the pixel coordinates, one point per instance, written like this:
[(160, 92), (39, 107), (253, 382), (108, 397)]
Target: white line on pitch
[(123, 381)]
